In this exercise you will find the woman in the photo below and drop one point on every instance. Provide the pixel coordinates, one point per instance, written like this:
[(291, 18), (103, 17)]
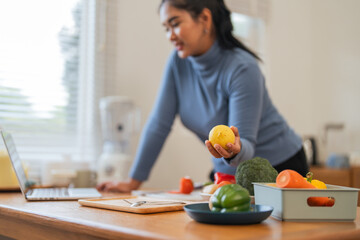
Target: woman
[(211, 78)]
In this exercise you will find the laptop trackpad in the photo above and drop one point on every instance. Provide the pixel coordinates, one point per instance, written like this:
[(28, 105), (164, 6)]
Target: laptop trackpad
[(84, 192)]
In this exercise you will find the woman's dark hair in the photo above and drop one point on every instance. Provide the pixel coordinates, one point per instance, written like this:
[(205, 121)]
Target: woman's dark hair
[(220, 16)]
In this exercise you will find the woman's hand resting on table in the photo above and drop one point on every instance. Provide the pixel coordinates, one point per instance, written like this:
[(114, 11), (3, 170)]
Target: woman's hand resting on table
[(233, 149), (115, 186)]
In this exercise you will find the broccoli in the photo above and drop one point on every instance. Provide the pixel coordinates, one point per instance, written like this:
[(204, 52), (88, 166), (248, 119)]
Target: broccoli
[(254, 170)]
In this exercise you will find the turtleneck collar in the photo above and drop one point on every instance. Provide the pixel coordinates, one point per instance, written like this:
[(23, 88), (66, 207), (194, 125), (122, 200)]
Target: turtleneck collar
[(208, 59)]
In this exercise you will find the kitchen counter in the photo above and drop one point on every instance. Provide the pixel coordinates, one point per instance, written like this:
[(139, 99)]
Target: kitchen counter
[(20, 219)]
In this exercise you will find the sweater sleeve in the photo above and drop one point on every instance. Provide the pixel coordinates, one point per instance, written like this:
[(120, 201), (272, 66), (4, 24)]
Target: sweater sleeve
[(246, 89), (157, 127)]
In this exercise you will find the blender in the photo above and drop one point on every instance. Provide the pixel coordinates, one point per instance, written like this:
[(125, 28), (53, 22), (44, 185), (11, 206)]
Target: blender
[(120, 120)]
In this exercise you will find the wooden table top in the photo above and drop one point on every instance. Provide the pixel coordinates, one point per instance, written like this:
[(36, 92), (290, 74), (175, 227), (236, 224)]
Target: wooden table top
[(69, 220)]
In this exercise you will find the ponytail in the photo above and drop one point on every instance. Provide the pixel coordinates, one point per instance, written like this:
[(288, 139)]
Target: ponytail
[(221, 19)]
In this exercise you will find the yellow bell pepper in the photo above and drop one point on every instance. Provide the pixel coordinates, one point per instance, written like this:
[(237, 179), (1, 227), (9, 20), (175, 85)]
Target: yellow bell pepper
[(316, 183)]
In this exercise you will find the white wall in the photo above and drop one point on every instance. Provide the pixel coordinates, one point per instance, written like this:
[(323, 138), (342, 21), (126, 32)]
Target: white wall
[(314, 58), (313, 54)]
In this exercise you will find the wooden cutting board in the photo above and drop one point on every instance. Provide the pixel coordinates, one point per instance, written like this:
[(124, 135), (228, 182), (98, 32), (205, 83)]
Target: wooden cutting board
[(194, 196), (119, 204)]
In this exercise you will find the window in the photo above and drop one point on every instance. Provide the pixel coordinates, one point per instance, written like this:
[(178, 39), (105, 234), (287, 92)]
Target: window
[(249, 19), (250, 31), (47, 79)]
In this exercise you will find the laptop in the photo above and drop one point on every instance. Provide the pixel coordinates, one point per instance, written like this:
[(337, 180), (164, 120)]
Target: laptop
[(45, 194)]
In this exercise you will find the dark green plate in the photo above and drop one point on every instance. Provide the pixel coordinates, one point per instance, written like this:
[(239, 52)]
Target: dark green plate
[(200, 212)]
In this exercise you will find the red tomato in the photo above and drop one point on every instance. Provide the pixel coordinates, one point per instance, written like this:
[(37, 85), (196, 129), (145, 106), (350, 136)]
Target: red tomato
[(186, 185)]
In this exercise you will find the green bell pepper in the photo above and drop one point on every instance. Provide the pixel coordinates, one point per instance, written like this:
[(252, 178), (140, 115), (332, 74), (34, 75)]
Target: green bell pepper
[(230, 198)]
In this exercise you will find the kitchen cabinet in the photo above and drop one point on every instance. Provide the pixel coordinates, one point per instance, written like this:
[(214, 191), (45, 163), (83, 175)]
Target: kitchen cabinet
[(349, 177)]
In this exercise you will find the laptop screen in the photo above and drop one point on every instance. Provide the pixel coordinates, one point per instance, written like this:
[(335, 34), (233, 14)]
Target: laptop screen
[(15, 160)]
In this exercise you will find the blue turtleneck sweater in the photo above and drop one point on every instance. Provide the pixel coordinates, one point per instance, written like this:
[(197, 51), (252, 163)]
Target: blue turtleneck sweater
[(218, 87)]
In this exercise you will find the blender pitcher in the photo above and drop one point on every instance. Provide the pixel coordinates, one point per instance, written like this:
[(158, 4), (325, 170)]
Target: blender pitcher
[(120, 120)]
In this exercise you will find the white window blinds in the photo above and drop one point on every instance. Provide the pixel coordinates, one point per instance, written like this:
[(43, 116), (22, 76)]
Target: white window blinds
[(49, 87)]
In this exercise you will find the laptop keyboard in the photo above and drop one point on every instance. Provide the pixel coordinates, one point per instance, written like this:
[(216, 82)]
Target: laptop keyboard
[(50, 192)]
